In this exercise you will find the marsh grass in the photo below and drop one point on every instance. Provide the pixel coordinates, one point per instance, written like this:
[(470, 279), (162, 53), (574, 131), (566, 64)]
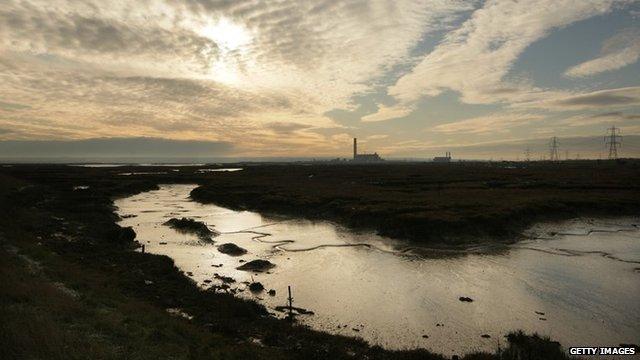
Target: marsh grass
[(72, 288), (454, 204)]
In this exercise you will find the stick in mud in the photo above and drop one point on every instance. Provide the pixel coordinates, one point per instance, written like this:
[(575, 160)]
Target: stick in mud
[(290, 304)]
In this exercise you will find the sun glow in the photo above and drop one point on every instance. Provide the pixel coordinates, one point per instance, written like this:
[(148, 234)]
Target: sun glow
[(228, 35), (232, 40)]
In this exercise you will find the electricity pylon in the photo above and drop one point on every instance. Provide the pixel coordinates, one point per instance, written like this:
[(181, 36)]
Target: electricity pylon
[(613, 139), (553, 149)]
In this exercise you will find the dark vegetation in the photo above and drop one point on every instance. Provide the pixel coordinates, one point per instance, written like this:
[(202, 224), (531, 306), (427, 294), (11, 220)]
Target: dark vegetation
[(73, 287), (192, 226), (434, 203)]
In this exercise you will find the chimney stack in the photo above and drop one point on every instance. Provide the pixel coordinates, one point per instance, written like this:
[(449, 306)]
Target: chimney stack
[(355, 148)]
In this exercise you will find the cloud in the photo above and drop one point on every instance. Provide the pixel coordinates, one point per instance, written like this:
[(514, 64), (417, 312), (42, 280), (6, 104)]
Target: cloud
[(617, 114), (113, 147), (387, 113), (490, 124), (12, 106), (286, 127), (94, 37), (377, 137), (618, 51), (288, 76), (621, 97), (474, 59), (96, 68), (614, 117)]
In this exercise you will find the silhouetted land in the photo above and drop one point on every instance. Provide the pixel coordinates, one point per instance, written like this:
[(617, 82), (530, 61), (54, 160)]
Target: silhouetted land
[(74, 288), (453, 203)]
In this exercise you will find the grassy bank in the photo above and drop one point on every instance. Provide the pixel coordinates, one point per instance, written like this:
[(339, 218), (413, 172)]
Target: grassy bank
[(434, 203), (72, 286)]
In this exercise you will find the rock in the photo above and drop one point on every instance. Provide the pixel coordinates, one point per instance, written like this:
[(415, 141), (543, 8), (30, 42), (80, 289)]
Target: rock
[(355, 329), (256, 287), (543, 319), (486, 336), (231, 249), (425, 336), (539, 312), (272, 292), (162, 243), (465, 299), (257, 265)]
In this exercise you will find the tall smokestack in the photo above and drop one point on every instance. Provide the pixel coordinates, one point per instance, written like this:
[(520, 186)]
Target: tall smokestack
[(355, 148)]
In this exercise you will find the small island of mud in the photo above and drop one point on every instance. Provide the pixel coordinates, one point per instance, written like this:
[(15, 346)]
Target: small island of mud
[(257, 266), (232, 249), (191, 226)]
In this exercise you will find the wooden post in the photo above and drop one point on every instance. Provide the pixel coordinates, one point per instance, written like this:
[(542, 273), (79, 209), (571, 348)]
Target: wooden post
[(290, 303), (143, 248)]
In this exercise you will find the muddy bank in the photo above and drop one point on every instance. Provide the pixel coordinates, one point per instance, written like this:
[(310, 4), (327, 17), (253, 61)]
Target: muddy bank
[(433, 203), (76, 230), (392, 301)]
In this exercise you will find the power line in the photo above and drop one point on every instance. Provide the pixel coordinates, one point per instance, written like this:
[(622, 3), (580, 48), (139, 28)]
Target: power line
[(553, 149), (613, 139)]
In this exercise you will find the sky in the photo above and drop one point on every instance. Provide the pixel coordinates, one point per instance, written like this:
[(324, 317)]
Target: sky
[(286, 78)]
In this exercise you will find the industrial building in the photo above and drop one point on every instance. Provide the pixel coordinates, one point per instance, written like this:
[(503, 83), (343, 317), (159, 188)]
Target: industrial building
[(443, 159), (362, 158)]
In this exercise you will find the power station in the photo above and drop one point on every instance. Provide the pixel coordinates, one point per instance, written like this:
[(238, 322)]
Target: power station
[(443, 159), (364, 158)]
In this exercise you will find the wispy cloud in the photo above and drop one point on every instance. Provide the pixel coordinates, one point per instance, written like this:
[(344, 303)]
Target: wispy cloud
[(618, 51), (474, 59), (286, 127), (287, 76), (614, 117), (495, 123), (610, 98)]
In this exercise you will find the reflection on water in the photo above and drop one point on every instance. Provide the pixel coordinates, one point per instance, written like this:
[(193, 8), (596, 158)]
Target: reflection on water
[(577, 285), (219, 170)]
